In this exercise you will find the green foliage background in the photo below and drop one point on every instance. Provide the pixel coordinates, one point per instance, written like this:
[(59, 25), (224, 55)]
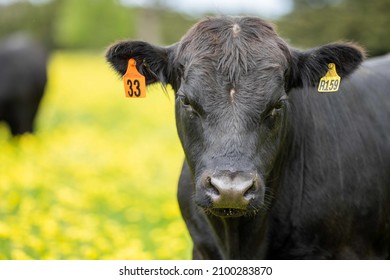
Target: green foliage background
[(94, 24), (318, 22), (98, 180)]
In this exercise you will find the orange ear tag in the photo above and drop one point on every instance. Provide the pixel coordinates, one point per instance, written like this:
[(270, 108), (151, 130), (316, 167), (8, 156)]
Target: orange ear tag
[(134, 82)]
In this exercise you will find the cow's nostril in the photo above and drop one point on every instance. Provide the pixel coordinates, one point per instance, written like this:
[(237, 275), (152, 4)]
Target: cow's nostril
[(250, 191), (213, 189)]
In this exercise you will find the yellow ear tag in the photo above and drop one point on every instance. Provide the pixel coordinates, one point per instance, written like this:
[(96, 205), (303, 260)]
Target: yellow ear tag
[(331, 81), (134, 82)]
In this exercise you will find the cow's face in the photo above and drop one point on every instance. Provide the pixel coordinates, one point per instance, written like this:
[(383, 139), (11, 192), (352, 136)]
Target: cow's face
[(231, 106), (231, 78)]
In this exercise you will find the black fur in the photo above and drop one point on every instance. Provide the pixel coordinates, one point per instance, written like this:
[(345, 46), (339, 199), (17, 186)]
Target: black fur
[(246, 105)]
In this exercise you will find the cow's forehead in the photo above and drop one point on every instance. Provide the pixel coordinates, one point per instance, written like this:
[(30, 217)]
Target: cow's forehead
[(257, 88), (233, 57), (233, 45)]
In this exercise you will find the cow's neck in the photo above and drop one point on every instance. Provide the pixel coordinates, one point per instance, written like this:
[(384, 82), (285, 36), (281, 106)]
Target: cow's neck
[(246, 237), (231, 238), (241, 238)]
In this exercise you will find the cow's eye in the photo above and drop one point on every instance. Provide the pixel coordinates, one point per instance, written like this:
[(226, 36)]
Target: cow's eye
[(184, 101), (186, 105), (271, 117), (190, 106), (278, 106)]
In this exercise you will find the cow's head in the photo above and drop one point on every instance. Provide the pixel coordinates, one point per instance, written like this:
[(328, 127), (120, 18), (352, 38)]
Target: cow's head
[(232, 77)]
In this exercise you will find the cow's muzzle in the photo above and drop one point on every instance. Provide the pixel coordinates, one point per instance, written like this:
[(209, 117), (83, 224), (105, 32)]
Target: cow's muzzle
[(230, 194)]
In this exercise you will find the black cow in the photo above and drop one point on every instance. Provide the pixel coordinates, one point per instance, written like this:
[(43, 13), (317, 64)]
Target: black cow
[(22, 81), (275, 169)]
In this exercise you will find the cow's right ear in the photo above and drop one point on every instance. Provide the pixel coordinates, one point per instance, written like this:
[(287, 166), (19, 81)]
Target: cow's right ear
[(307, 67), (152, 61)]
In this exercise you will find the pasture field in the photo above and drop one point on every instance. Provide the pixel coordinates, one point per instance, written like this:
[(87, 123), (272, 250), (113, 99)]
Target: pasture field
[(98, 179)]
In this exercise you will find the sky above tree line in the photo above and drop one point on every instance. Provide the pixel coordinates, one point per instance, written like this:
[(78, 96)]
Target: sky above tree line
[(265, 8), (274, 8)]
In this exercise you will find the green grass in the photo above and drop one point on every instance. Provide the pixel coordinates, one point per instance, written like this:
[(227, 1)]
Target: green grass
[(98, 179)]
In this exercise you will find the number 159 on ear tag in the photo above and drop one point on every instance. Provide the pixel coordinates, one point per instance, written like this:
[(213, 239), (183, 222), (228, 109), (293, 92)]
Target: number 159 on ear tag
[(134, 82)]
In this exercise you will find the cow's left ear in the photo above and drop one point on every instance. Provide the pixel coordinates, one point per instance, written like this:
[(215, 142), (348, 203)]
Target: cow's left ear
[(153, 62), (308, 67)]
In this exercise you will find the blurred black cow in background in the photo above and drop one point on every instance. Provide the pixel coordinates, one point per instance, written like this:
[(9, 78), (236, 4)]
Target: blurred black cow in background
[(23, 77)]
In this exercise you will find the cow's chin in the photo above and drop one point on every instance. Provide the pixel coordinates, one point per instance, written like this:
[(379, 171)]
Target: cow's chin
[(227, 212)]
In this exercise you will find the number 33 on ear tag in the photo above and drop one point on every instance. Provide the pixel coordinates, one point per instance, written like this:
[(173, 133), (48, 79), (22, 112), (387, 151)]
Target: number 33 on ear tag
[(134, 82)]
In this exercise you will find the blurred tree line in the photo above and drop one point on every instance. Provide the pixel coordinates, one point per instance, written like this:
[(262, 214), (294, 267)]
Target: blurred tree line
[(94, 24), (91, 24), (315, 22)]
